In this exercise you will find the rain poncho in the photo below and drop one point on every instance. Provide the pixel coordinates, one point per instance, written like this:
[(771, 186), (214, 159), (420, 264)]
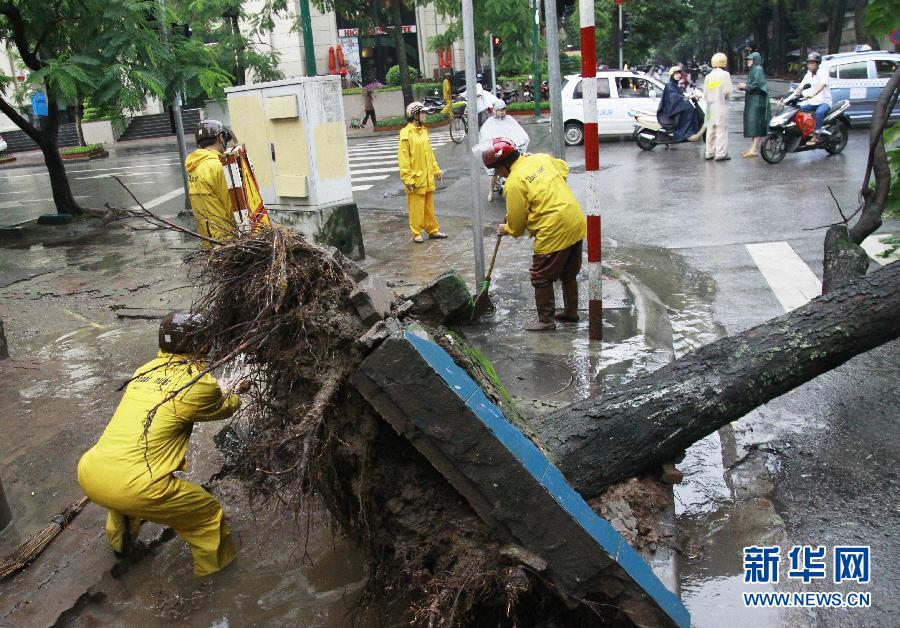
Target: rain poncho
[(539, 199), (209, 195), (448, 97), (418, 167), (675, 108), (717, 89), (756, 104), (507, 127), (132, 473)]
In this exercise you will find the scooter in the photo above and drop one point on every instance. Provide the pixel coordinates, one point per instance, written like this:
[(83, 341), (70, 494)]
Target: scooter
[(545, 91), (650, 131), (433, 103), (528, 91), (507, 95), (790, 130)]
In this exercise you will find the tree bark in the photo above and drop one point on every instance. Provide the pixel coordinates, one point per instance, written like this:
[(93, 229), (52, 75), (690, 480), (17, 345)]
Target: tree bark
[(836, 25), (240, 57), (79, 121), (779, 38), (655, 418), (859, 24), (405, 83)]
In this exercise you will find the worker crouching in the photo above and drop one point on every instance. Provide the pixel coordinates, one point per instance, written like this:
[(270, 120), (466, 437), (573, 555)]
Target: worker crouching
[(131, 469), (539, 199)]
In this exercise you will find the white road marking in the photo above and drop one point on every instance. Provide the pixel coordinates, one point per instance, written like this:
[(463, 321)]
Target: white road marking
[(153, 165), (109, 175), (377, 177), (374, 170), (9, 204), (367, 157), (793, 283), (874, 247), (159, 200), (361, 188)]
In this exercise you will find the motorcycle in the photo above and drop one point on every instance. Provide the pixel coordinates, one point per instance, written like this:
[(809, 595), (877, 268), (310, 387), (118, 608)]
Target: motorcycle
[(790, 129), (545, 91), (650, 131), (528, 91), (433, 104), (507, 95)]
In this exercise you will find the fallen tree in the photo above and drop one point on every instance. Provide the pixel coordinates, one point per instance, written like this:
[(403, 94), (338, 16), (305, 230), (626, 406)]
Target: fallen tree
[(654, 418)]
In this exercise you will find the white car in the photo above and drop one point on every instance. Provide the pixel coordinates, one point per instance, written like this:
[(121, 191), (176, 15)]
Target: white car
[(618, 92), (2, 144)]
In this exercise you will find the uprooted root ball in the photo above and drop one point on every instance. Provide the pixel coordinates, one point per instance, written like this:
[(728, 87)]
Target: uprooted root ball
[(278, 306)]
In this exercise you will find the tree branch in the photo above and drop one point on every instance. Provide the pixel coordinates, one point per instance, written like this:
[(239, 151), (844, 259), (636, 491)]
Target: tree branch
[(20, 37), (20, 122)]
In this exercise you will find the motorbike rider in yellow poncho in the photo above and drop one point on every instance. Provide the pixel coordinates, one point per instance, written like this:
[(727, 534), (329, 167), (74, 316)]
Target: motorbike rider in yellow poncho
[(130, 470), (210, 201), (418, 168)]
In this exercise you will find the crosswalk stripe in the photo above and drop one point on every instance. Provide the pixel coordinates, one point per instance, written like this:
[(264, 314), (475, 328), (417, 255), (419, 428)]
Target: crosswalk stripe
[(388, 157), (874, 247), (361, 188), (374, 177), (793, 283), (374, 170), (373, 162)]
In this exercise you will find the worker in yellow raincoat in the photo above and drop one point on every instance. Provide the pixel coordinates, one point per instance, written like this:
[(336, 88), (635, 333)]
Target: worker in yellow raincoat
[(418, 168), (448, 96), (210, 201), (539, 199), (131, 472)]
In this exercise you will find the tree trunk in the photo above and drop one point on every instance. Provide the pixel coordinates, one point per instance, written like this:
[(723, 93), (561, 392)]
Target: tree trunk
[(836, 25), (779, 38), (46, 139), (79, 115), (655, 418), (859, 24), (240, 57), (405, 83)]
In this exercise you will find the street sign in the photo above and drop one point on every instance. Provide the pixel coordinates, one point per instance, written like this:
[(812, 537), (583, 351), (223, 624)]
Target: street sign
[(39, 104), (620, 1), (895, 36)]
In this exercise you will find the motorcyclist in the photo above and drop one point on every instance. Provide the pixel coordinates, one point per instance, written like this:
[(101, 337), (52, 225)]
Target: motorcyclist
[(817, 95), (502, 125), (674, 110)]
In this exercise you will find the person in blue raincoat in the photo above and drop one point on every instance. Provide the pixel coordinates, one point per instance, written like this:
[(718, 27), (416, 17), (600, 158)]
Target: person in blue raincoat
[(676, 109)]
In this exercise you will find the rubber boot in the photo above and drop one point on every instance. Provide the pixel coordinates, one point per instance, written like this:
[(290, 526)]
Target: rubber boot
[(569, 312), (544, 300)]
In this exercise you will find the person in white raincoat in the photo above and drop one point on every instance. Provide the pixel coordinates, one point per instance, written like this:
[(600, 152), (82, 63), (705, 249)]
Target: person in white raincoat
[(717, 93), (502, 125)]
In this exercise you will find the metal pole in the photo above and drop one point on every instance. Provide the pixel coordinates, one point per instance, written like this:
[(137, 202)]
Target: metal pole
[(474, 163), (591, 167), (536, 58), (493, 68), (176, 115), (556, 121), (621, 41), (309, 51)]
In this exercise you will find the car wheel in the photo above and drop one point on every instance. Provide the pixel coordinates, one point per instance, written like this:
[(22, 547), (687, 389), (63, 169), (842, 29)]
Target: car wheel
[(773, 148), (839, 143), (573, 133)]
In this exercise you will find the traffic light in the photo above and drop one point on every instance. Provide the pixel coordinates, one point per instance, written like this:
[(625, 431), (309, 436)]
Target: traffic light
[(497, 44), (626, 28)]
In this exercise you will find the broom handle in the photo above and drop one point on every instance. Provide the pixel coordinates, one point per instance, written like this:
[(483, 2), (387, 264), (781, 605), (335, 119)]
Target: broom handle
[(493, 259)]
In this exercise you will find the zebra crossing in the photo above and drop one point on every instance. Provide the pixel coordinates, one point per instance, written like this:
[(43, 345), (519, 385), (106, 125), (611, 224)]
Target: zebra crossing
[(791, 280), (376, 159)]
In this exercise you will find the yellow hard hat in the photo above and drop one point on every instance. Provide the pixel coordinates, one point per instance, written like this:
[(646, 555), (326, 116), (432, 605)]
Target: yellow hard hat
[(719, 60)]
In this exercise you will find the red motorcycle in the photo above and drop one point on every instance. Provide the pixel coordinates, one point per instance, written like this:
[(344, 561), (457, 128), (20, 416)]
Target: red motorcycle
[(790, 130)]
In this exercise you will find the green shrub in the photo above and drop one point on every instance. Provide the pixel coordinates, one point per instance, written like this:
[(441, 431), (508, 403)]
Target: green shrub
[(398, 120), (80, 150), (526, 106), (393, 75)]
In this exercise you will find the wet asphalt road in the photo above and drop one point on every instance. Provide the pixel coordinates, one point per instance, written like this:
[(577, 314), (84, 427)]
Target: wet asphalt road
[(835, 440)]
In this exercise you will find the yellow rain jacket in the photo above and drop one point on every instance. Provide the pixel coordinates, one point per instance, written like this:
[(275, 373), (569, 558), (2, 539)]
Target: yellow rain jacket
[(132, 475), (418, 166), (448, 98), (539, 199), (209, 195)]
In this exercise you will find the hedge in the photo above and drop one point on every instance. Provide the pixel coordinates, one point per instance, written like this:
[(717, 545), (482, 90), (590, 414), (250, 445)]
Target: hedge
[(79, 150), (398, 120), (526, 106)]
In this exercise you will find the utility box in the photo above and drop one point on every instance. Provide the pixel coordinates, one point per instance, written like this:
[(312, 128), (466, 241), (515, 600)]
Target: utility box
[(295, 137)]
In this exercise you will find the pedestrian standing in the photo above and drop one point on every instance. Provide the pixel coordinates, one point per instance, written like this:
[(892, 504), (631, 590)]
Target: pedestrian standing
[(717, 92), (369, 106), (756, 104), (207, 189), (448, 96), (132, 469), (539, 200), (418, 169)]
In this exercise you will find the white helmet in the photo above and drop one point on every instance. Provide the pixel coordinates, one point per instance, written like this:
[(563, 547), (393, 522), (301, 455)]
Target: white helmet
[(412, 109)]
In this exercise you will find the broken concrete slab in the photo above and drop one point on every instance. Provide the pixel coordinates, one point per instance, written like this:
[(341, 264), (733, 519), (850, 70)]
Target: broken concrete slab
[(356, 272), (506, 478), (372, 299), (444, 301), (379, 332)]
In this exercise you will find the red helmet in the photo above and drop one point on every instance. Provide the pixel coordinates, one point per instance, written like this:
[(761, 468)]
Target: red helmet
[(501, 150)]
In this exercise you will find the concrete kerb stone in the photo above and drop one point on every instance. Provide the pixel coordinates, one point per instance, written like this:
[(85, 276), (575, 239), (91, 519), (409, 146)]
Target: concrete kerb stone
[(506, 478), (447, 296), (372, 298)]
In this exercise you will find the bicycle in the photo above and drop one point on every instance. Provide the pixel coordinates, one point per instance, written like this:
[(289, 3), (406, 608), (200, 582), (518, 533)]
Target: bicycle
[(459, 124)]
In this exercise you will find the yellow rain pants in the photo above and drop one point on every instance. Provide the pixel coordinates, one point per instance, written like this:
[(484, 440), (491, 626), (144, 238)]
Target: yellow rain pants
[(418, 168), (132, 474)]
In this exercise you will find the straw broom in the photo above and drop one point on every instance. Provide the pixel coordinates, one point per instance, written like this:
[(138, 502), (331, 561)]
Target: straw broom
[(32, 548)]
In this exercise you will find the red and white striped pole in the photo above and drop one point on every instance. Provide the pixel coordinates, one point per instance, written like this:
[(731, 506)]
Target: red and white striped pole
[(591, 167)]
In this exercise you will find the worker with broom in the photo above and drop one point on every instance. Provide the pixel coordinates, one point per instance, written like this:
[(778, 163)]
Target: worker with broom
[(539, 199), (131, 469)]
